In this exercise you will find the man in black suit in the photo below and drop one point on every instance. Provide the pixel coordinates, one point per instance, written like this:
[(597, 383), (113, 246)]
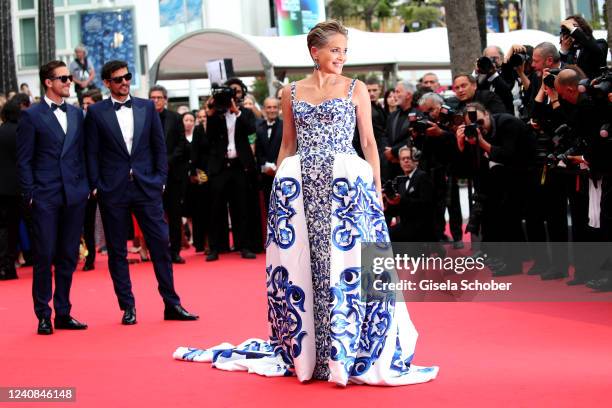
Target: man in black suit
[(199, 187), (230, 158), (89, 230), (174, 134), (502, 150), (489, 78), (269, 138), (128, 167), (379, 124), (53, 178), (396, 133), (414, 201), (466, 89), (9, 185)]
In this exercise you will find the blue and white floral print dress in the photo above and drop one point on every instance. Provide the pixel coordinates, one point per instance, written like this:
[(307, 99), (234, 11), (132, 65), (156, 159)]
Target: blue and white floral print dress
[(323, 204)]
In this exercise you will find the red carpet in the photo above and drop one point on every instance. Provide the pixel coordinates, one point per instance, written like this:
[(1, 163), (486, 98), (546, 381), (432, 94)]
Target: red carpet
[(490, 354)]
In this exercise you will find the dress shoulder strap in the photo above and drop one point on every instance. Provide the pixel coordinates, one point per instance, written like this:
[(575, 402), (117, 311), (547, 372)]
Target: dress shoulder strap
[(293, 91), (351, 88)]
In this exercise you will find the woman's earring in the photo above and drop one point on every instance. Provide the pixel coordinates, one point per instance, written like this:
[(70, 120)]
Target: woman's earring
[(317, 64)]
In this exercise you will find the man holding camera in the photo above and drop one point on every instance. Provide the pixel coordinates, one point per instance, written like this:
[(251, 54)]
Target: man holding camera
[(488, 69), (228, 128), (437, 146), (500, 148), (579, 47), (397, 132), (411, 198)]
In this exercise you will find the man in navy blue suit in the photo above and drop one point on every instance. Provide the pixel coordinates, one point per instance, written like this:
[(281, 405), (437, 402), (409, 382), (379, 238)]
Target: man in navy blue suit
[(127, 163), (53, 178)]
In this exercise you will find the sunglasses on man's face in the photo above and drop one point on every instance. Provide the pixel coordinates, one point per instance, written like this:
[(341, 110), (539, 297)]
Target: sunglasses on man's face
[(119, 79), (63, 78)]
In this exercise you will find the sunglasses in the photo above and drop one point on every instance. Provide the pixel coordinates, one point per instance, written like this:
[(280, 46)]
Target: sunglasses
[(119, 79), (63, 78)]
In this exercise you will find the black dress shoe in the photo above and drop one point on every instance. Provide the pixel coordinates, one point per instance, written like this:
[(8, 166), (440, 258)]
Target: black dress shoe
[(68, 323), (506, 270), (212, 256), (88, 266), (44, 326), (603, 285), (177, 259), (246, 254), (177, 312), (552, 275), (129, 316)]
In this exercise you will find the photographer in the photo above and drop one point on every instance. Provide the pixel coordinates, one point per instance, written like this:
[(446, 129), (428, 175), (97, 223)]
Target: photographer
[(230, 157), (489, 79), (500, 148), (431, 136), (579, 47), (560, 175), (396, 132), (411, 198), (586, 118), (517, 69)]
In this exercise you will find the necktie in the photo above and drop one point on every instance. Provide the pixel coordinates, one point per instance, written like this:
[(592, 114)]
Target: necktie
[(62, 107), (119, 105)]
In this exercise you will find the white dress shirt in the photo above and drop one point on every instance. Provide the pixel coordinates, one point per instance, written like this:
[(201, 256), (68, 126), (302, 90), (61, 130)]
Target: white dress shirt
[(410, 178), (125, 117), (61, 116), (230, 121), (189, 137)]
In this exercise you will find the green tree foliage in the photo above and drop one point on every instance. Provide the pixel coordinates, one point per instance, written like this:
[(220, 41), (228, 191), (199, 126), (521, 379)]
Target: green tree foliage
[(424, 16)]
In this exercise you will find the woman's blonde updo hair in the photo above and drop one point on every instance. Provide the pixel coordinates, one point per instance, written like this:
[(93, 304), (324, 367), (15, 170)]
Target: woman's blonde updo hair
[(319, 34)]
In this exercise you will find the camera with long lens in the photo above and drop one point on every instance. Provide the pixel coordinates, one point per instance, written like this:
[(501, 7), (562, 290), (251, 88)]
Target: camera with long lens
[(471, 129), (484, 65), (549, 80), (519, 58), (565, 144), (599, 87), (222, 98)]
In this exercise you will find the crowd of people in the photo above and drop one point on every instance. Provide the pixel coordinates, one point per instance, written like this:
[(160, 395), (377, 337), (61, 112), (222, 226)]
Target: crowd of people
[(526, 131)]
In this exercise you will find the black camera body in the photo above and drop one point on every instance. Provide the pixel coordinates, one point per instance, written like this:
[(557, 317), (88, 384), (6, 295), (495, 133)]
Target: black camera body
[(518, 59), (564, 31), (449, 117), (565, 143), (485, 66), (471, 129), (549, 80), (391, 187), (419, 122), (222, 98), (599, 87)]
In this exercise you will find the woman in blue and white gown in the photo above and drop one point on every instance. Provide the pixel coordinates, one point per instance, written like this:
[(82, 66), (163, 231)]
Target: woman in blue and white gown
[(325, 201)]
